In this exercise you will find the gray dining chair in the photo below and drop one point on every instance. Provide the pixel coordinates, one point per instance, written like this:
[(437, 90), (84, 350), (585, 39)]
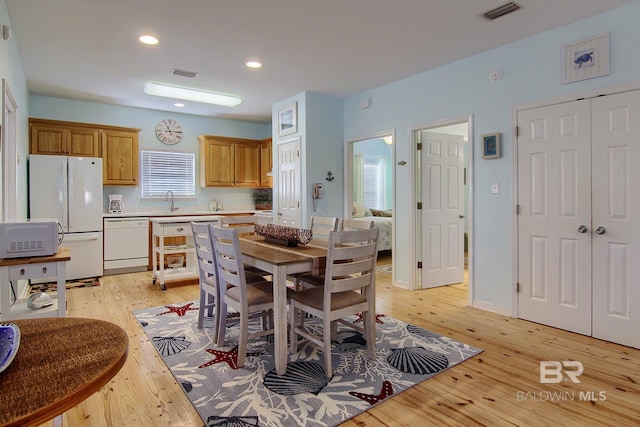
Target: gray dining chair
[(320, 227), (209, 288), (246, 298), (349, 288)]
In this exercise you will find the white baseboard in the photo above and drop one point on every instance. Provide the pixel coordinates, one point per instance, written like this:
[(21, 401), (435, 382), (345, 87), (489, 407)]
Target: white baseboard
[(483, 305)]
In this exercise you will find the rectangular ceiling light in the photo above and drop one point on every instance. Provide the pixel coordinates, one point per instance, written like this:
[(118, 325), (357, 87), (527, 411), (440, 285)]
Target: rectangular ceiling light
[(502, 10), (191, 94)]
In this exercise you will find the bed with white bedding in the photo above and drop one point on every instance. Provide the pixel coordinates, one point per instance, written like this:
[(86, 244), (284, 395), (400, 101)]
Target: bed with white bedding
[(383, 223)]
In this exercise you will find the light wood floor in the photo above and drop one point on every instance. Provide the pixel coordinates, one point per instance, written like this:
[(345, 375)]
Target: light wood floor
[(497, 387)]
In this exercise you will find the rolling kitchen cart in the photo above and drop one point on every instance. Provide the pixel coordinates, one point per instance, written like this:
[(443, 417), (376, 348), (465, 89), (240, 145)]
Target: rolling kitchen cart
[(175, 226)]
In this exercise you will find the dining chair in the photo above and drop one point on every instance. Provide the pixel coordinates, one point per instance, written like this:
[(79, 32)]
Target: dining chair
[(246, 298), (320, 226), (344, 224), (246, 226), (349, 288), (209, 289)]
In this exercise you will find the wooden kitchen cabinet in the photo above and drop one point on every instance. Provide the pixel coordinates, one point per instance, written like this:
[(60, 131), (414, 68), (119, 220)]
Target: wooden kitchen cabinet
[(118, 146), (229, 162), (266, 163), (63, 138), (120, 157)]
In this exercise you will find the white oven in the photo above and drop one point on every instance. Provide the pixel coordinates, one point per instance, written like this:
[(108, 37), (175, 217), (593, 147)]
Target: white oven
[(126, 245)]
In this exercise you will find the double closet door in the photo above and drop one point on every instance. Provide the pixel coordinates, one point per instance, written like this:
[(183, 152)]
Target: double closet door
[(579, 216)]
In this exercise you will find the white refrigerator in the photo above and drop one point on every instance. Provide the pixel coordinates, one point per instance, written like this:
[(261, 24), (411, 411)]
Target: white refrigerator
[(70, 189)]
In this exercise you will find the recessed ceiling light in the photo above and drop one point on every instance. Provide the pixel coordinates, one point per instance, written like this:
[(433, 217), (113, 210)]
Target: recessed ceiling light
[(146, 39), (179, 104), (176, 92), (254, 64)]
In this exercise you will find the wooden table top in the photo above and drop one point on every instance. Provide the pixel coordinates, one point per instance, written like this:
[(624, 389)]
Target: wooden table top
[(63, 254), (60, 362), (257, 247)]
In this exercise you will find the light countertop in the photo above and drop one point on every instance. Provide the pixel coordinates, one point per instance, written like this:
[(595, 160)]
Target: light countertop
[(185, 213)]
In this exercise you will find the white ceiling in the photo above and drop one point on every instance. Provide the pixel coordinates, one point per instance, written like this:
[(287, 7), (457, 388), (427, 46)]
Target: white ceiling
[(89, 49)]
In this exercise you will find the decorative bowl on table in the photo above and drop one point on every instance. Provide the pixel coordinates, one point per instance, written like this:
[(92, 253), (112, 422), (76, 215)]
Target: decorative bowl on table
[(9, 343), (283, 235)]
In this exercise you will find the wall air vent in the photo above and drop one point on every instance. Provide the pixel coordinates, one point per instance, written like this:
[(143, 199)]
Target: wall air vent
[(502, 10), (184, 73)]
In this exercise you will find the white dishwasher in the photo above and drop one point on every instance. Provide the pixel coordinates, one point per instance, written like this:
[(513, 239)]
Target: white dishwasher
[(126, 245)]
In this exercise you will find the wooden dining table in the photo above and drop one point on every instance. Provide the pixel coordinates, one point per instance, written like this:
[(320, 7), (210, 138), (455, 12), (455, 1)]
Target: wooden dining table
[(282, 261), (59, 363)]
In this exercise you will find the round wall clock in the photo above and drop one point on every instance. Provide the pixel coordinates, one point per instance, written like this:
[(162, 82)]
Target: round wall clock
[(169, 131)]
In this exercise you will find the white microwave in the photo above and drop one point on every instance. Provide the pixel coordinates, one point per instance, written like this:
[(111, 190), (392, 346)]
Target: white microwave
[(36, 237)]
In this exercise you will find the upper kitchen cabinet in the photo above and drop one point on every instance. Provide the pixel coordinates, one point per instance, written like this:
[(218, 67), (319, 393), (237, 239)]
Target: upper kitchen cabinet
[(64, 138), (120, 157), (266, 163), (229, 162)]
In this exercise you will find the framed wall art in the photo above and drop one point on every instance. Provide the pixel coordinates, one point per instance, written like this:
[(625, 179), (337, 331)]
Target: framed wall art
[(491, 146), (287, 119), (585, 59)]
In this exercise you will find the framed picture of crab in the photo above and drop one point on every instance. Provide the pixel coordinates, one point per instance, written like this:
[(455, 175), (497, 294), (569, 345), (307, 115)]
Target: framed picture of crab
[(585, 59)]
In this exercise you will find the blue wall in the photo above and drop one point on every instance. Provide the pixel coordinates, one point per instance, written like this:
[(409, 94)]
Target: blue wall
[(12, 73), (531, 74)]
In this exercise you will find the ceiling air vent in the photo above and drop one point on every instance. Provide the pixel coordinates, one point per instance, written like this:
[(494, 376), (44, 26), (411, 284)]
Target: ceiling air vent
[(502, 10), (184, 73)]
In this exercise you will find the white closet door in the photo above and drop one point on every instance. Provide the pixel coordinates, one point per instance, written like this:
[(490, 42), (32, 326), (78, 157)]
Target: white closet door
[(616, 208), (554, 221), (442, 209), (289, 184)]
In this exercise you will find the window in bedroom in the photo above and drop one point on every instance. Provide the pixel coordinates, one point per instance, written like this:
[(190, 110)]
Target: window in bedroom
[(373, 178), (163, 170)]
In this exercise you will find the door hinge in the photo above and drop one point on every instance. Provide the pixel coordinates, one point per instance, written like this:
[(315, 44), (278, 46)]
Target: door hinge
[(419, 147), (419, 205), (517, 209), (517, 287), (419, 264), (517, 130), (298, 204)]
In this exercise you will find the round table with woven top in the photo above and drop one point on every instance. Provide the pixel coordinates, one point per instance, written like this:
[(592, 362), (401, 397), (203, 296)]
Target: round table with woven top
[(60, 362)]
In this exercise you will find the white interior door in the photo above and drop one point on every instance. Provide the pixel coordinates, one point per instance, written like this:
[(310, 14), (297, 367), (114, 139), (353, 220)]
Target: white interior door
[(442, 187), (554, 202), (616, 208), (289, 184)]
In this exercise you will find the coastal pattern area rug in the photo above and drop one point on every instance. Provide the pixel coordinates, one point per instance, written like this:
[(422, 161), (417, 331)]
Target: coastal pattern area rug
[(255, 395)]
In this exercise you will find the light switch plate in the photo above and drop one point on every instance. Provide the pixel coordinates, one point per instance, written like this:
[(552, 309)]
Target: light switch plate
[(495, 188)]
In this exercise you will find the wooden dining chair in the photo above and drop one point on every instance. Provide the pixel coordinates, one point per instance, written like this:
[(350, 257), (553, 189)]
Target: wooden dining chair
[(209, 288), (246, 298), (320, 226), (246, 226), (349, 288)]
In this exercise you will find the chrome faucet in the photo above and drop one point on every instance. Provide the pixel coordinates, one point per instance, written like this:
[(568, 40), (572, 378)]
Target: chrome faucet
[(166, 198)]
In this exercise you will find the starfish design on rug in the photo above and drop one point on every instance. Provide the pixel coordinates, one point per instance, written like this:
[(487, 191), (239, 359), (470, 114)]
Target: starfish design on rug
[(360, 318), (179, 310), (231, 357), (386, 391)]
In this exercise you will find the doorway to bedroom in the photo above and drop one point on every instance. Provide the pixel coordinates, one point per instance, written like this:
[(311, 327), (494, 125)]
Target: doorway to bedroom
[(369, 192), (442, 215)]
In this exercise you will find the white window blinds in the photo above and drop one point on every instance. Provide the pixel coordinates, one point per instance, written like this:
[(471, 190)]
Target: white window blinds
[(164, 170), (373, 177)]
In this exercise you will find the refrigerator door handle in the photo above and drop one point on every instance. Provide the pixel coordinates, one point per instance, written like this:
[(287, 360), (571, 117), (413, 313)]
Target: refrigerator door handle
[(70, 191), (64, 197)]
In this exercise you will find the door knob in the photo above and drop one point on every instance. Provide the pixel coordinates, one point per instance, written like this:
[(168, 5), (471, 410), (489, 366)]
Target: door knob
[(582, 229), (600, 230), (460, 216)]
